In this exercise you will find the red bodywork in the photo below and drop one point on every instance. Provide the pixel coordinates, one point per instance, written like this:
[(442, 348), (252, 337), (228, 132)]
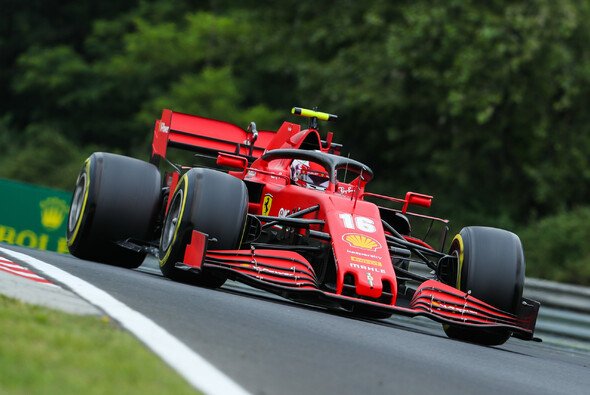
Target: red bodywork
[(364, 273)]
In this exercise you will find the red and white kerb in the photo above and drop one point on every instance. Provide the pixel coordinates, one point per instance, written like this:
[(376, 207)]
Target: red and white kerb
[(13, 268)]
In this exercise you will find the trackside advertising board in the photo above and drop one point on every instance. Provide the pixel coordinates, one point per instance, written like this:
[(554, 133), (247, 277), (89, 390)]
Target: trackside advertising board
[(32, 216)]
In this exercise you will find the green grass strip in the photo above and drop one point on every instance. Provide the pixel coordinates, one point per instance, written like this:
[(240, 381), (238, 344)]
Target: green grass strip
[(43, 351)]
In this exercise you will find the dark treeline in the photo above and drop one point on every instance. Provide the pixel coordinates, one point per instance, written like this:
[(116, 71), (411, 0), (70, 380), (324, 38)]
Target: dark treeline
[(482, 104)]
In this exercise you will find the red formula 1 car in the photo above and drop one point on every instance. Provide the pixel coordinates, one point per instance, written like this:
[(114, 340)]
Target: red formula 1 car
[(291, 216)]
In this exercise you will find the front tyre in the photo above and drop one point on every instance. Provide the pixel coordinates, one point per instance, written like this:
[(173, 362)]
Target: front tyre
[(491, 266), (210, 202), (116, 198)]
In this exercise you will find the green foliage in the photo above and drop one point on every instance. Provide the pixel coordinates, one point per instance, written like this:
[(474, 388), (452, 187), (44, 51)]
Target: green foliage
[(47, 158), (481, 104), (213, 92), (557, 247), (57, 75), (472, 102)]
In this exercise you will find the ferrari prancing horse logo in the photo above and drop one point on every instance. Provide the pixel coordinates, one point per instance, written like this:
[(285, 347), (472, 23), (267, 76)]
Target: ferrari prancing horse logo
[(266, 204)]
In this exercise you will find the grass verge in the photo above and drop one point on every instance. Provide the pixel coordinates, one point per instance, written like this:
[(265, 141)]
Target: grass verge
[(44, 351)]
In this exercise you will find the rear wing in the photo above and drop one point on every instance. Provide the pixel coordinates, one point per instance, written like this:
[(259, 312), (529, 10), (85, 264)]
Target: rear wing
[(206, 136)]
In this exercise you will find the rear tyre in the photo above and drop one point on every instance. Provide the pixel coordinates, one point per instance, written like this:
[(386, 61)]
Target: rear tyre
[(491, 266), (116, 198), (210, 202)]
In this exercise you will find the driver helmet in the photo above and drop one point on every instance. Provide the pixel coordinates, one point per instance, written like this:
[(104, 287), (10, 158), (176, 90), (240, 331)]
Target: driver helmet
[(309, 175)]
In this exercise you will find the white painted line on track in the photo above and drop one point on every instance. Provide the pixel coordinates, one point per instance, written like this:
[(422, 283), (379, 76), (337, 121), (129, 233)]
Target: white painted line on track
[(190, 365)]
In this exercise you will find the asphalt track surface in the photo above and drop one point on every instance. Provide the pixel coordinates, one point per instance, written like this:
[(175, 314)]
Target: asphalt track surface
[(272, 346)]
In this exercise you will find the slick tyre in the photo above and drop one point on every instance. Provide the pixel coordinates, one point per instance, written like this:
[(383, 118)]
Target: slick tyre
[(491, 266), (116, 198), (210, 202)]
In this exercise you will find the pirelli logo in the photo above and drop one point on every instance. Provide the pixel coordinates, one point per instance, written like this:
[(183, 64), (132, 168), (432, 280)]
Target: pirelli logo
[(365, 261)]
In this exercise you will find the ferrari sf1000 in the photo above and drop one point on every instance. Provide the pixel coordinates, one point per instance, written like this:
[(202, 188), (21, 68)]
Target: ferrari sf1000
[(285, 212)]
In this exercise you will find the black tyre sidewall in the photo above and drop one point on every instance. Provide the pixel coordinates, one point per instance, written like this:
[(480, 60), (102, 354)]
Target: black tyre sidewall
[(216, 204), (176, 249), (122, 202), (493, 266), (493, 271)]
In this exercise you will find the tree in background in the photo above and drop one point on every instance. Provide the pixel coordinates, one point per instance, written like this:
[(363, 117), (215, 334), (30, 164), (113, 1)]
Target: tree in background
[(481, 104)]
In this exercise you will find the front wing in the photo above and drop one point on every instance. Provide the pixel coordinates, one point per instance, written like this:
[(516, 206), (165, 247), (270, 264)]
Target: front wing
[(288, 274)]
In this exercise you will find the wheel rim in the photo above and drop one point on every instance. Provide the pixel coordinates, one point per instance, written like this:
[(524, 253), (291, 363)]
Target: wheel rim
[(77, 202), (172, 221)]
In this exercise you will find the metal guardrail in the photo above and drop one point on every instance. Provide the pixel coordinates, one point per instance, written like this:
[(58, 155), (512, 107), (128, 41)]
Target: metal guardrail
[(561, 323), (565, 309), (558, 295)]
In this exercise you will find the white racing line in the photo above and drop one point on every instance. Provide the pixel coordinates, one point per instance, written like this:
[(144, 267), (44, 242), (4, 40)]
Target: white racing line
[(190, 365)]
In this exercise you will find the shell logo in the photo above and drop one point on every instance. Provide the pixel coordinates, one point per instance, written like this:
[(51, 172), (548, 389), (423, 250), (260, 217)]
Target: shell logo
[(361, 241)]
